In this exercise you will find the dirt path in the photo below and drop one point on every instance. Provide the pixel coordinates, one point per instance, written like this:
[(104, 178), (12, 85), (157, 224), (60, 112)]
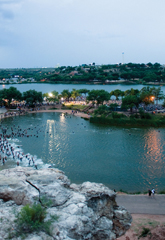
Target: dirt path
[(153, 222), (147, 212)]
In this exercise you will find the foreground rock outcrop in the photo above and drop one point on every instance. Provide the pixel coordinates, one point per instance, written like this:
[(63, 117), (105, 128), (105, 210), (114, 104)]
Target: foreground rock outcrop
[(87, 211)]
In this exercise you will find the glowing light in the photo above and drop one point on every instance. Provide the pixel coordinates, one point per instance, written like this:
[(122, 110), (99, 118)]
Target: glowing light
[(152, 98), (50, 95)]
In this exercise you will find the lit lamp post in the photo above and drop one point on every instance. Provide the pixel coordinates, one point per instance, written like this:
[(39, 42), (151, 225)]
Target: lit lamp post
[(152, 98)]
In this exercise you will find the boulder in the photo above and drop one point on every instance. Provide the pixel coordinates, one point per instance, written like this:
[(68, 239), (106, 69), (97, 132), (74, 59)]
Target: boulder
[(86, 211)]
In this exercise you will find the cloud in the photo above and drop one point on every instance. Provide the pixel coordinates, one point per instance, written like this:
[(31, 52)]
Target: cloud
[(6, 14), (8, 38), (8, 7), (10, 1)]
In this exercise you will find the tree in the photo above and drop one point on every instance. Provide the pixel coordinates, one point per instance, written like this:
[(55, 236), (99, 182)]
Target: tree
[(54, 93), (116, 93), (9, 94), (157, 93), (103, 109), (98, 95), (146, 95), (131, 92), (74, 93), (32, 97), (66, 94), (126, 75), (84, 90), (130, 101), (122, 94), (113, 106), (52, 96), (150, 77)]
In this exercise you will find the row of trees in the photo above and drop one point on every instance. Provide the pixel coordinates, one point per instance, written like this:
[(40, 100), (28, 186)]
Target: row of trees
[(130, 98), (143, 72), (31, 97)]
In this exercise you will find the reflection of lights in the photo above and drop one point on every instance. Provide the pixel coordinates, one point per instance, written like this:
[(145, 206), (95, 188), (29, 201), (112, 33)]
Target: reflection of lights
[(50, 95), (154, 147), (62, 118), (50, 121), (3, 86), (50, 124)]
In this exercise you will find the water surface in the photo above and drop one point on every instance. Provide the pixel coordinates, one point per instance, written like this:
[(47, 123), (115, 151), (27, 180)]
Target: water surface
[(48, 87), (128, 159)]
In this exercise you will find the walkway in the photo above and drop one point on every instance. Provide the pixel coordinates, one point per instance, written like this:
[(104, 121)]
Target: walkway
[(142, 204)]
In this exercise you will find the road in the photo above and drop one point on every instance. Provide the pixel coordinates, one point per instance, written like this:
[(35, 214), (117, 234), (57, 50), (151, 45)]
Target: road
[(142, 204)]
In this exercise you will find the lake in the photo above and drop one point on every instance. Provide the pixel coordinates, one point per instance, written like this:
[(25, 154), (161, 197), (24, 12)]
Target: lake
[(132, 159), (48, 87)]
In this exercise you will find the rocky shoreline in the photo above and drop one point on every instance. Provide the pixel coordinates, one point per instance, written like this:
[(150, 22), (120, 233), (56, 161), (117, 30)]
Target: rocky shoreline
[(87, 211)]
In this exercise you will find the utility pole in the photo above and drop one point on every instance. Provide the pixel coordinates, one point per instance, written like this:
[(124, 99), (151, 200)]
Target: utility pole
[(123, 57)]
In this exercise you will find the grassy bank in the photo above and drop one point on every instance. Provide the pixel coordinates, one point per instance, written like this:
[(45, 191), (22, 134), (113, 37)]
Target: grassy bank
[(155, 121), (74, 107)]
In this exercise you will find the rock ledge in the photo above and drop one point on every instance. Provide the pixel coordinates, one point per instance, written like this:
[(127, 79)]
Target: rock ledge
[(87, 211)]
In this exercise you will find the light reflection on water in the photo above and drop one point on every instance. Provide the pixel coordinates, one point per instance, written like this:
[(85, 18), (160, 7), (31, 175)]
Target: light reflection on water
[(128, 159)]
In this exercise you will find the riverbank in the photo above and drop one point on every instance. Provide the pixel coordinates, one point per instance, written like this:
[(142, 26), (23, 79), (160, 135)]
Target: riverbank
[(155, 121), (8, 113)]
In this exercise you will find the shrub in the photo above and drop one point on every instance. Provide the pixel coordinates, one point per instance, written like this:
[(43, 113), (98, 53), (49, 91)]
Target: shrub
[(162, 192), (32, 218), (117, 115), (134, 116), (103, 109), (144, 232), (144, 115), (113, 106)]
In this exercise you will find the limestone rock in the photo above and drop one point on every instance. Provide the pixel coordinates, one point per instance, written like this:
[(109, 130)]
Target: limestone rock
[(86, 212)]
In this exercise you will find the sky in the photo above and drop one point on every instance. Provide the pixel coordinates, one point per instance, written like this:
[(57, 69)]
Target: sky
[(46, 33)]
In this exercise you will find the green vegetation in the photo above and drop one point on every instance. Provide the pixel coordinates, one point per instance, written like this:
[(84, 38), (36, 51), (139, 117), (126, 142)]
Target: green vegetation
[(130, 72), (121, 190), (117, 119), (133, 100), (6, 95), (32, 97), (98, 96), (162, 192), (32, 218), (144, 232), (75, 107)]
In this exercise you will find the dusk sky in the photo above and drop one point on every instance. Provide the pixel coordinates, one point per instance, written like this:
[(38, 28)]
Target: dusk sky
[(37, 33)]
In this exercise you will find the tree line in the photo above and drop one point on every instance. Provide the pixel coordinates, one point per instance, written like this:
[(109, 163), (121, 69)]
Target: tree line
[(141, 73), (130, 98)]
